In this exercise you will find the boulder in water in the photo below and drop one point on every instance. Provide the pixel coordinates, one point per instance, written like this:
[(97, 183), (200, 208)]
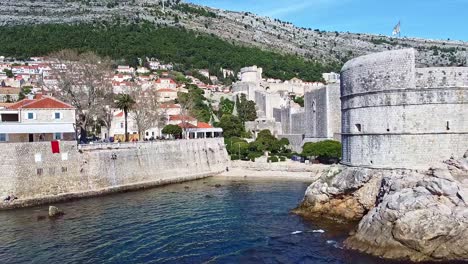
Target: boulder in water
[(55, 212)]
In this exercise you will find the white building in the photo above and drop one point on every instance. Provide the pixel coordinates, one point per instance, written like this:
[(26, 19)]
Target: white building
[(165, 83), (125, 69), (143, 70), (331, 77), (38, 118), (166, 95)]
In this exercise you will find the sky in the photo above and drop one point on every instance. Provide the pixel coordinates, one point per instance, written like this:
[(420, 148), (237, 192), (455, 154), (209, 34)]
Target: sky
[(434, 19)]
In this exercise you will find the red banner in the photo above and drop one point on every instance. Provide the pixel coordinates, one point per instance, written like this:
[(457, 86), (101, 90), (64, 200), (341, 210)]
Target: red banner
[(55, 146)]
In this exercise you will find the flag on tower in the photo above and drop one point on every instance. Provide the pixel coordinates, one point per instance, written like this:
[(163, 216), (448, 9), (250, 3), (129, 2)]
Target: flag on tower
[(396, 29)]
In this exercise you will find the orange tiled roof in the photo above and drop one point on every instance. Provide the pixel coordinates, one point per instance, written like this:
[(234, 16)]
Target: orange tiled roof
[(40, 102), (203, 125), (186, 125), (170, 80), (166, 106), (181, 117), (166, 90), (9, 90)]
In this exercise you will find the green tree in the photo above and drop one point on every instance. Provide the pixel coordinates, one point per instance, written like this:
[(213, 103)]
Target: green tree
[(231, 125), (325, 151), (196, 103), (240, 148), (187, 49), (25, 90), (299, 100), (172, 130), (226, 106), (8, 73), (125, 103), (246, 109)]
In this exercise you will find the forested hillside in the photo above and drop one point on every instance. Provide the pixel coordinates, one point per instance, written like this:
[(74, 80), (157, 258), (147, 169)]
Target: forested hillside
[(188, 49)]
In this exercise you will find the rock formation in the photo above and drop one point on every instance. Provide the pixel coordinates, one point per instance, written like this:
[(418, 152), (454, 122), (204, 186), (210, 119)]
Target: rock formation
[(406, 214), (55, 212)]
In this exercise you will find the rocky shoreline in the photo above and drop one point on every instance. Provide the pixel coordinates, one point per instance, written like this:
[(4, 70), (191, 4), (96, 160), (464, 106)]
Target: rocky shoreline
[(404, 214)]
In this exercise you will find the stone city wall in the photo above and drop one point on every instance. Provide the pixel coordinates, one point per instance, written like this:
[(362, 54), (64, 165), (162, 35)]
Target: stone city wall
[(31, 171), (323, 113), (442, 77), (397, 116)]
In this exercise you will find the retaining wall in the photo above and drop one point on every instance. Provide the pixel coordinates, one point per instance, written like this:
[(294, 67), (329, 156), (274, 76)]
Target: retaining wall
[(31, 171)]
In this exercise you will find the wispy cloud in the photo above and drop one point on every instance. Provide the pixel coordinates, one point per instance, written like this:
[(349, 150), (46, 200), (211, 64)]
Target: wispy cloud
[(291, 7)]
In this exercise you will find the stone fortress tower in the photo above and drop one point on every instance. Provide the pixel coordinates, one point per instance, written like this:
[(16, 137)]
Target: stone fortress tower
[(395, 115)]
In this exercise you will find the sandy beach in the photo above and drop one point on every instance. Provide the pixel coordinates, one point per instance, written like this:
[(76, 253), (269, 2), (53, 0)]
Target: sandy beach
[(280, 171)]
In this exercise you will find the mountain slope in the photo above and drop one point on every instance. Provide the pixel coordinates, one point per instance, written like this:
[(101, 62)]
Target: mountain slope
[(237, 27)]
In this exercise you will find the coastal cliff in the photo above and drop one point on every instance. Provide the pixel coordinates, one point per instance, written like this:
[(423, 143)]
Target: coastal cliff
[(404, 214), (31, 172)]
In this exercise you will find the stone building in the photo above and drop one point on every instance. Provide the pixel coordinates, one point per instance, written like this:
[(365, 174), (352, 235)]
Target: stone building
[(398, 116), (323, 114), (38, 118)]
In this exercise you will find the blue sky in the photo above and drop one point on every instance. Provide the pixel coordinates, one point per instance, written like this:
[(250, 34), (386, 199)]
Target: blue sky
[(437, 19)]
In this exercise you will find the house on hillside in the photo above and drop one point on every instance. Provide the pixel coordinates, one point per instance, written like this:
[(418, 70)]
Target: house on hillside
[(166, 95), (195, 129), (165, 83), (9, 94), (117, 129), (170, 109), (125, 69), (37, 118)]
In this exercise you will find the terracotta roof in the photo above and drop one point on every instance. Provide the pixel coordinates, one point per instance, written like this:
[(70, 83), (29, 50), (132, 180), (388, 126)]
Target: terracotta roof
[(167, 79), (166, 90), (170, 106), (6, 104), (203, 125), (181, 117), (186, 125), (119, 114), (9, 90), (41, 102)]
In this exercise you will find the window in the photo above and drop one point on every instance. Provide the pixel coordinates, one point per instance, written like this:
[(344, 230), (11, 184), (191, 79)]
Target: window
[(3, 138), (358, 127), (57, 115), (57, 136), (30, 116), (122, 125)]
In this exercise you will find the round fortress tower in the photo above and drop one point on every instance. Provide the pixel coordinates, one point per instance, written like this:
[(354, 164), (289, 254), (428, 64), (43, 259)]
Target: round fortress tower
[(395, 115)]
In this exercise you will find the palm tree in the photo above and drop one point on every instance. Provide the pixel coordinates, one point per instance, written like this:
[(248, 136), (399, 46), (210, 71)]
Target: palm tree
[(125, 103)]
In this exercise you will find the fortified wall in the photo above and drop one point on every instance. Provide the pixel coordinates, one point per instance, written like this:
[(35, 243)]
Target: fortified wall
[(395, 115), (31, 171), (323, 113)]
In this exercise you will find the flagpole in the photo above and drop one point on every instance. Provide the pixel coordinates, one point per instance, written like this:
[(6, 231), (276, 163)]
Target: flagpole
[(399, 29)]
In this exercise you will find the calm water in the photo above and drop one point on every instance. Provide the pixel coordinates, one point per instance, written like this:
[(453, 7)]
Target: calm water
[(243, 221)]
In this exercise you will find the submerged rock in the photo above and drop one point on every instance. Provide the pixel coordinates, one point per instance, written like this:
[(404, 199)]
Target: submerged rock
[(405, 214), (55, 212)]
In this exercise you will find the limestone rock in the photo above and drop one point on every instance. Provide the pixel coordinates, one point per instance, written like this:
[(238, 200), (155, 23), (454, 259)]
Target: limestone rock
[(420, 223), (55, 212), (406, 214), (332, 195)]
